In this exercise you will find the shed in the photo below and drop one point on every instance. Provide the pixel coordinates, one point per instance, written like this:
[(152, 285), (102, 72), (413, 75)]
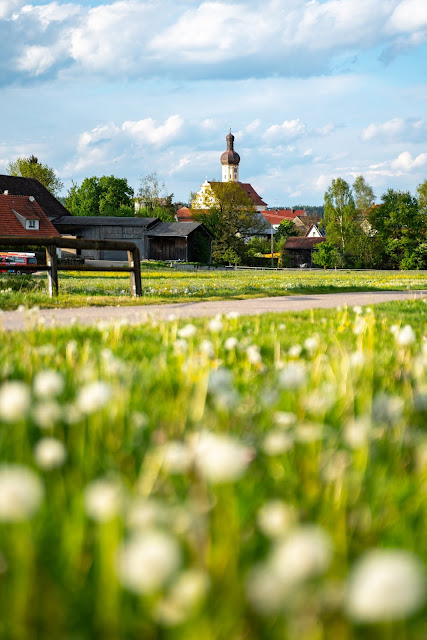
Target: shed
[(187, 241), (299, 250), (107, 228)]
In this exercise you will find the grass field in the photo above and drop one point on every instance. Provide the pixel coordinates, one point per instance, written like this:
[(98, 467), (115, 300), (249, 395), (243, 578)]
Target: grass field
[(170, 285), (230, 479)]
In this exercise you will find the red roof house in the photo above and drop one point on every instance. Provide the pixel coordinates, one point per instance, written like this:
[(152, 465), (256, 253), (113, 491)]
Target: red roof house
[(23, 216)]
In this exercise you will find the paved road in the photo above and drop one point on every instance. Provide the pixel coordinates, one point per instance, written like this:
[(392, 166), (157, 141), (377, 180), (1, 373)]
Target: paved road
[(17, 320)]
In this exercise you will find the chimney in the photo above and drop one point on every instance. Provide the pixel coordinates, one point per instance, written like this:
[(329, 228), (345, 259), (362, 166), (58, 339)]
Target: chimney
[(31, 198), (6, 192)]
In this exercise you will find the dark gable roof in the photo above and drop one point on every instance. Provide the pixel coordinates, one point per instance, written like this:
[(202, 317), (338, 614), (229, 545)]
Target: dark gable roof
[(31, 187), (176, 229), (103, 221), (297, 242)]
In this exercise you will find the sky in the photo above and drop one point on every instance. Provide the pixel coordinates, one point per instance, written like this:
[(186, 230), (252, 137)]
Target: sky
[(312, 90)]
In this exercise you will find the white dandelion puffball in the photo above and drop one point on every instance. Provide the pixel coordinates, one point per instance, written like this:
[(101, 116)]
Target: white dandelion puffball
[(220, 458), (187, 331), (147, 561), (14, 400), (275, 518), (231, 343), (50, 453), (307, 552), (385, 585), (293, 376), (406, 336), (21, 493), (93, 397), (103, 499), (48, 384), (215, 325), (177, 457)]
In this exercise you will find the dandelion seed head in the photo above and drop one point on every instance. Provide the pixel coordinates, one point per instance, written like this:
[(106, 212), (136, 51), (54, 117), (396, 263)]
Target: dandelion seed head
[(93, 397), (293, 376), (48, 384), (220, 458), (275, 518), (406, 336), (50, 453), (15, 400), (21, 493), (187, 331), (305, 553), (103, 499)]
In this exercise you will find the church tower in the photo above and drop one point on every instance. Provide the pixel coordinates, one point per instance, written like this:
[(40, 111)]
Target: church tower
[(230, 161)]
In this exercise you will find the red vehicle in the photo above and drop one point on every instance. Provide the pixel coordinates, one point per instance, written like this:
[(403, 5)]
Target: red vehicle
[(12, 260)]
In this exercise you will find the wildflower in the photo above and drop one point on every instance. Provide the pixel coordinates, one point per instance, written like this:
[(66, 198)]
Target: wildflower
[(357, 310), (293, 376), (215, 325), (359, 326), (185, 594), (231, 343), (284, 419), (295, 351), (146, 562), (180, 346), (356, 433), (305, 553), (277, 442), (21, 493), (312, 344), (103, 499), (220, 458), (93, 397), (357, 360), (50, 453), (265, 590), (275, 518), (207, 348), (48, 384), (188, 331), (253, 354), (14, 400), (406, 336), (387, 408), (47, 414), (385, 585), (177, 457)]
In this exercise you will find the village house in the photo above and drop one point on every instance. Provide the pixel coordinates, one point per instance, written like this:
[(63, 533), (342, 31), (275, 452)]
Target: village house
[(23, 216)]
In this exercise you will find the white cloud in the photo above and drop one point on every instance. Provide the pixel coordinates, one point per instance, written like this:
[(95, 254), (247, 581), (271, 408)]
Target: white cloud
[(147, 132), (35, 60), (288, 130), (409, 15), (7, 7), (406, 163), (395, 129)]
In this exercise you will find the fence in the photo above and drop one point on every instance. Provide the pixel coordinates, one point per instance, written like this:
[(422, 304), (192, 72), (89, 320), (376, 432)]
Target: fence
[(51, 243)]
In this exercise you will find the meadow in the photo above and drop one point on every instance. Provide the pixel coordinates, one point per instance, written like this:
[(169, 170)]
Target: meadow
[(171, 285), (227, 479)]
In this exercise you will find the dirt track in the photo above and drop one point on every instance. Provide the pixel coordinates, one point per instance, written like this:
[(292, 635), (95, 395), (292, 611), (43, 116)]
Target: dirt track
[(18, 320)]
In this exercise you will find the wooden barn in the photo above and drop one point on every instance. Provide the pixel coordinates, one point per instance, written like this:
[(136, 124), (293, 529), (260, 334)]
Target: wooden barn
[(298, 251), (186, 241)]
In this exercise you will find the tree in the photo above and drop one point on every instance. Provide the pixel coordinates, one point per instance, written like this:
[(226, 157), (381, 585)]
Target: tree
[(400, 227), (32, 168), (230, 216), (340, 215), (364, 195), (104, 196), (422, 196), (286, 229), (327, 255), (153, 200)]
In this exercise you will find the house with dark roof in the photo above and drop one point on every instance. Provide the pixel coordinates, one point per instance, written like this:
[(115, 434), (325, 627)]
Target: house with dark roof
[(23, 216), (17, 186)]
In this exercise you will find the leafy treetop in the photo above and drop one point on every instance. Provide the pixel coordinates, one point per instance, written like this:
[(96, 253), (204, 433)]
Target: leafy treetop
[(31, 168)]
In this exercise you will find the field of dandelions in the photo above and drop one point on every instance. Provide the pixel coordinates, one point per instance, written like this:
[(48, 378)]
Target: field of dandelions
[(171, 285), (228, 479)]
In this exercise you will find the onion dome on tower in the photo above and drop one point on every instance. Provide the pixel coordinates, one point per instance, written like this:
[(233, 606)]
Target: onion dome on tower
[(230, 161)]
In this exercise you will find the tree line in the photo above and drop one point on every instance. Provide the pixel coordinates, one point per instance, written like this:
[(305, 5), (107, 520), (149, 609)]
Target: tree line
[(362, 234)]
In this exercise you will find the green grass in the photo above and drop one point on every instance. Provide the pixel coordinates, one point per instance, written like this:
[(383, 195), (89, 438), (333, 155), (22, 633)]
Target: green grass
[(324, 412), (170, 285)]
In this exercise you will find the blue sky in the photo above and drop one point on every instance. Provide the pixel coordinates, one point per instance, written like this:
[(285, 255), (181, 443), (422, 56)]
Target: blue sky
[(312, 90)]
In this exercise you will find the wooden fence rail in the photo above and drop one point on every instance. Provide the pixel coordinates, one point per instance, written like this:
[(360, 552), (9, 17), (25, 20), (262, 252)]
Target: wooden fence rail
[(52, 243)]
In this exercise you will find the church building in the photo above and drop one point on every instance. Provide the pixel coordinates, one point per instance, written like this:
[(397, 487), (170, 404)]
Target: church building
[(230, 161)]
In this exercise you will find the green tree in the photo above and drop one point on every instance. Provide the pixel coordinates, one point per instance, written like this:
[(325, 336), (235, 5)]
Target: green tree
[(328, 256), (286, 229), (364, 195), (230, 216), (422, 197), (104, 196), (399, 227), (340, 219), (153, 200), (32, 168)]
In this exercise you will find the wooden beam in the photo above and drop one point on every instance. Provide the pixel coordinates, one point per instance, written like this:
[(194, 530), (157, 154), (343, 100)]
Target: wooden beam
[(52, 274)]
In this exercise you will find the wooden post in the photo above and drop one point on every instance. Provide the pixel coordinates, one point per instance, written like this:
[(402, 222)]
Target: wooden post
[(52, 274), (135, 274)]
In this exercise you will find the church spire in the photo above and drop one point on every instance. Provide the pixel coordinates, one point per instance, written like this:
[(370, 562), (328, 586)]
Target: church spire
[(230, 161)]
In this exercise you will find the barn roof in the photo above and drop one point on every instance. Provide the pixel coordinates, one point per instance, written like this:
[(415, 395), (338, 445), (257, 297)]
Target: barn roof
[(104, 221), (17, 186), (297, 242), (176, 229), (14, 209)]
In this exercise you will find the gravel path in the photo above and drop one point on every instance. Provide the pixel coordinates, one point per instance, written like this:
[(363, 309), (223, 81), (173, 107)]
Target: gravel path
[(18, 320)]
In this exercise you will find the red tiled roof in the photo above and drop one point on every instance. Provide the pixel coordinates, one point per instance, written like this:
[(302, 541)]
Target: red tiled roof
[(10, 224), (184, 215), (276, 217), (256, 199), (297, 242)]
